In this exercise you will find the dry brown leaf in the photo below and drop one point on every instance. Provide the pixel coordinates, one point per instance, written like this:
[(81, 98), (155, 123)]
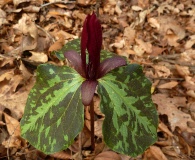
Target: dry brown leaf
[(162, 71), (25, 73), (129, 34), (3, 19), (97, 110), (190, 42), (165, 129), (168, 27), (169, 106), (27, 26), (136, 8), (32, 9), (98, 127), (7, 74), (85, 2), (17, 2), (189, 83), (143, 3), (12, 142), (157, 50), (172, 151), (38, 57), (183, 70), (191, 25), (13, 125), (79, 15), (62, 155), (168, 85), (119, 44), (154, 153), (15, 102), (6, 61), (107, 155), (191, 93), (146, 46)]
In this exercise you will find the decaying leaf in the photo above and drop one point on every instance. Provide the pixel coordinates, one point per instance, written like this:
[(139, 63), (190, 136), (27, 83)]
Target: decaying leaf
[(108, 155), (169, 106), (154, 153), (3, 17), (168, 85)]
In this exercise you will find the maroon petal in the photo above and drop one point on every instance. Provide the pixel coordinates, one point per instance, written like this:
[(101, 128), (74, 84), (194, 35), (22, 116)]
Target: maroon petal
[(109, 64), (94, 41), (75, 61), (87, 91), (84, 40)]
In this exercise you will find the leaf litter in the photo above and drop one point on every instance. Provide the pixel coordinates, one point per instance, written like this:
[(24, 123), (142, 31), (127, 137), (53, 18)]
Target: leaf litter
[(157, 34)]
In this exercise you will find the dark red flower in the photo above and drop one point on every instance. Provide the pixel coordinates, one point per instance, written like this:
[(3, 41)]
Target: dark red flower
[(91, 40)]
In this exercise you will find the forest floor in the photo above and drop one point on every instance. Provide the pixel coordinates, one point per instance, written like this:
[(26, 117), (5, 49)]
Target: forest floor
[(157, 34)]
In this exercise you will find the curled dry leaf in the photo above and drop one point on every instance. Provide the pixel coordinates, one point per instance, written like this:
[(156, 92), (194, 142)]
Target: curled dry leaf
[(162, 71), (183, 70), (108, 155), (25, 73), (13, 125), (190, 42), (173, 151), (38, 57), (168, 85), (154, 153), (165, 129)]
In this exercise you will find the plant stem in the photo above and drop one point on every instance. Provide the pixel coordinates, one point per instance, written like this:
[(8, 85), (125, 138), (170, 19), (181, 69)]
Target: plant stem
[(92, 125), (80, 144)]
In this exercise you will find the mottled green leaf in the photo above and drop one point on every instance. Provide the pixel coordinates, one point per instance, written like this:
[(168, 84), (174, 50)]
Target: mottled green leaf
[(131, 120), (54, 113)]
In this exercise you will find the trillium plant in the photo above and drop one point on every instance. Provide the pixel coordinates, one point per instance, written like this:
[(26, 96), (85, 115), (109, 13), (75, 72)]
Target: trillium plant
[(54, 113)]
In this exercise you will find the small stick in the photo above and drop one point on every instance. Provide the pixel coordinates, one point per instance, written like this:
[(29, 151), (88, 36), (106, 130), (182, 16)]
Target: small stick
[(57, 2), (92, 125), (97, 6)]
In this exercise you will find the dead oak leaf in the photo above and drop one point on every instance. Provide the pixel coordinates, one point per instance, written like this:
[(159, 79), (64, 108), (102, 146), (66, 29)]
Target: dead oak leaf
[(16, 101), (169, 106), (168, 27), (27, 26), (13, 125)]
